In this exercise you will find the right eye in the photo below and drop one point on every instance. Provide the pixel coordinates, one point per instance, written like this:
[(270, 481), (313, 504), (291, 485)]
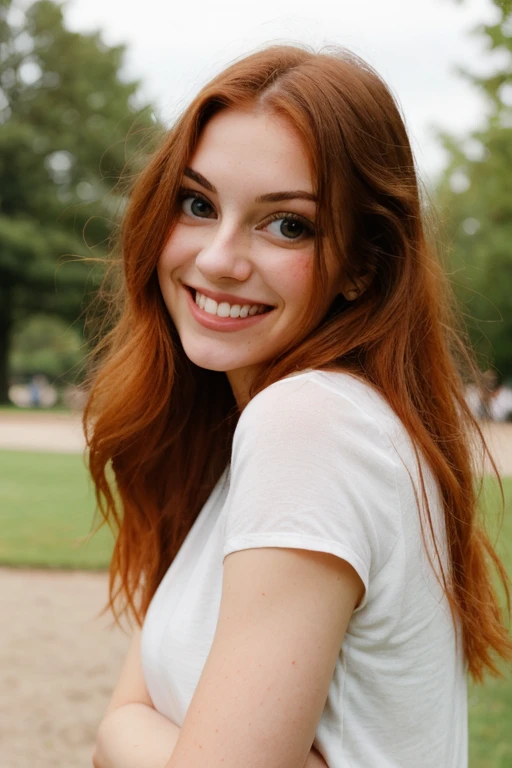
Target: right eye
[(195, 205)]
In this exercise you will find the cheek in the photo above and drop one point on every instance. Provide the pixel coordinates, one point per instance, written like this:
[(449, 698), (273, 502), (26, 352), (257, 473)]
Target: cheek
[(297, 276), (169, 257), (180, 246)]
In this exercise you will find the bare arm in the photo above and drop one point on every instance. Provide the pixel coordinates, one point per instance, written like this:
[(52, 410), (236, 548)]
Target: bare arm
[(132, 733), (137, 736)]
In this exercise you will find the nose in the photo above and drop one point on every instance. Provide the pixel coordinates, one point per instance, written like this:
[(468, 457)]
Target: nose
[(225, 255)]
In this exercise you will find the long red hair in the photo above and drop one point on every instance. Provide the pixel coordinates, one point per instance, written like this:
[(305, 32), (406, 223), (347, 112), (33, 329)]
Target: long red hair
[(165, 426)]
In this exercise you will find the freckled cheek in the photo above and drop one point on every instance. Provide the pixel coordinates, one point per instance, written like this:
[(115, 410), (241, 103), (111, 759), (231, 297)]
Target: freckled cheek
[(297, 277)]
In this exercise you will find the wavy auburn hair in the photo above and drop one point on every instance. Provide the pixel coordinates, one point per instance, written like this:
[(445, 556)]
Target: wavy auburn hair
[(165, 426)]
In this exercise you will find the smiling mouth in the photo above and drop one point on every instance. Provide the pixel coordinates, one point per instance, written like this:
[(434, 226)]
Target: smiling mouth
[(224, 309)]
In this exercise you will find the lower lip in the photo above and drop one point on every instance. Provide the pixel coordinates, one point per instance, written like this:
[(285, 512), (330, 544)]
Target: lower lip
[(215, 323)]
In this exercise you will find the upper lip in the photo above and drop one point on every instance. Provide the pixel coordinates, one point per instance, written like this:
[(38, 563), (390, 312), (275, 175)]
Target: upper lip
[(229, 297)]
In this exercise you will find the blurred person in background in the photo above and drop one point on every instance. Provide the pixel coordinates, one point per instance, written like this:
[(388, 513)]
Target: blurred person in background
[(490, 400), (35, 391), (285, 417)]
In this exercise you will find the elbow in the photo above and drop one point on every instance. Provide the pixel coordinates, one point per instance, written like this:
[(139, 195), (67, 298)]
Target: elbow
[(100, 757), (95, 759)]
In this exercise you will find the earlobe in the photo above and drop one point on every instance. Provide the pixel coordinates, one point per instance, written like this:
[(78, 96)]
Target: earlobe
[(356, 289), (350, 293)]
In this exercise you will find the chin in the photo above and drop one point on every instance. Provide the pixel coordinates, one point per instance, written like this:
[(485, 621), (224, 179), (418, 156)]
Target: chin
[(209, 365), (210, 360)]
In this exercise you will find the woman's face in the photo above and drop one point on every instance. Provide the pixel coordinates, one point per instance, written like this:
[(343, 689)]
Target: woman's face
[(243, 246)]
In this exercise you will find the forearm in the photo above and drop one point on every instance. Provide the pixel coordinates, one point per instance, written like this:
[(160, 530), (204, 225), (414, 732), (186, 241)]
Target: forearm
[(135, 736)]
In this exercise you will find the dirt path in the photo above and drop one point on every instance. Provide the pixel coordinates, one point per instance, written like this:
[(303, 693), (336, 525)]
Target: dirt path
[(58, 666), (29, 431), (499, 439)]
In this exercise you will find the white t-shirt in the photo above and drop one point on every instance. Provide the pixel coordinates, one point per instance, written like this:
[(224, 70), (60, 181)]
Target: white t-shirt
[(321, 462)]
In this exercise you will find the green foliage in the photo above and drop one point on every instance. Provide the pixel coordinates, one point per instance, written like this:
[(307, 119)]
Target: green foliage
[(475, 194), (70, 127), (46, 344)]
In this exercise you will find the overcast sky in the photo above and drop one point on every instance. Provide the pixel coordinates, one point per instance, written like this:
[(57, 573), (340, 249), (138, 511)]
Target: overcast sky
[(175, 47)]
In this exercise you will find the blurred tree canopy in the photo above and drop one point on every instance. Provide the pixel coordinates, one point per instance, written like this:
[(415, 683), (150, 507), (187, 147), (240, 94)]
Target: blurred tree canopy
[(71, 126), (47, 345), (475, 193)]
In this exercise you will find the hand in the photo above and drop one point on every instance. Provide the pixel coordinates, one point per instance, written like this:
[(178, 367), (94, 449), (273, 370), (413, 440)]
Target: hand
[(135, 736)]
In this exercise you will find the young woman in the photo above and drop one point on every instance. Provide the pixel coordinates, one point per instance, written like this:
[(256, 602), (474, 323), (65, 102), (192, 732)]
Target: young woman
[(282, 403)]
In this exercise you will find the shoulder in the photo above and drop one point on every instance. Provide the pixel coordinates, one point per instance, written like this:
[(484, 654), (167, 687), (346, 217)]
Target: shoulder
[(313, 465), (312, 404)]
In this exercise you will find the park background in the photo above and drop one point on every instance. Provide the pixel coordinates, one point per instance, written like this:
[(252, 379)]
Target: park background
[(79, 113)]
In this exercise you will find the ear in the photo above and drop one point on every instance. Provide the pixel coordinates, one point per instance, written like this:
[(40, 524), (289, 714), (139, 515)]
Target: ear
[(352, 289)]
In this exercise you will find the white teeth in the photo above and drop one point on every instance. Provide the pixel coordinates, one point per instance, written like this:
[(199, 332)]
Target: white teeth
[(223, 309), (210, 306)]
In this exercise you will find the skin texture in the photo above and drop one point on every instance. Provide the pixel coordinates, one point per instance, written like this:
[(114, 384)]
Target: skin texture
[(229, 243)]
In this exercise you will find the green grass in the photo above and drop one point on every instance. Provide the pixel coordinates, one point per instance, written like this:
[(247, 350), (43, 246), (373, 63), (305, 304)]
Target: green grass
[(490, 705), (490, 718), (47, 505)]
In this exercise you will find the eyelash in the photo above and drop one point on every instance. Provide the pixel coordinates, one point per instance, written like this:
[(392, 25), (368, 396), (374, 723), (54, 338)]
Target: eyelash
[(184, 193)]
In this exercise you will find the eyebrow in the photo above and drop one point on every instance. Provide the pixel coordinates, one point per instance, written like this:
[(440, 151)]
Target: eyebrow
[(270, 197)]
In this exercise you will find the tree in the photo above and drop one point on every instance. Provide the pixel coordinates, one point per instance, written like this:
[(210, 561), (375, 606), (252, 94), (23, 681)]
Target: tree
[(45, 345), (69, 127), (475, 192)]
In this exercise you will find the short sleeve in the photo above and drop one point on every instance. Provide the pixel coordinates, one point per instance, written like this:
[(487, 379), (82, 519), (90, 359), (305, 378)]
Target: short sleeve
[(311, 470)]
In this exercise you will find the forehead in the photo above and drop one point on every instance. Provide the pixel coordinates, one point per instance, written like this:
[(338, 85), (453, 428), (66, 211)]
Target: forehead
[(262, 147)]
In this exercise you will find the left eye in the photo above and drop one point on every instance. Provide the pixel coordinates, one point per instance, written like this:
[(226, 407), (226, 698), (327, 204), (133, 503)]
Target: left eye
[(290, 228), (196, 206)]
